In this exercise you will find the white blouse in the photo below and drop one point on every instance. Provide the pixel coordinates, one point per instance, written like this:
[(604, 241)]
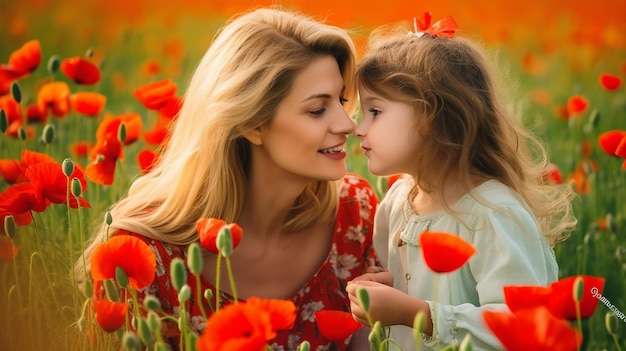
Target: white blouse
[(510, 250)]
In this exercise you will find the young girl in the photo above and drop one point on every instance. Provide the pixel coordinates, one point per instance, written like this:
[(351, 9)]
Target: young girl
[(431, 110)]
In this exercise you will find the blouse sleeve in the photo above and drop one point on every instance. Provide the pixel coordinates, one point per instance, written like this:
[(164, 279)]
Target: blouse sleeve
[(510, 250)]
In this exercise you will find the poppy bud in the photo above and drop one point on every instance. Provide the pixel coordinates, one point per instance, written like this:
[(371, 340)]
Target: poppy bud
[(182, 320), (184, 294), (364, 298), (67, 167), (154, 322), (88, 287), (419, 323), (151, 303), (53, 64), (304, 346), (111, 290), (161, 346), (48, 134), (121, 133), (374, 336), (577, 289), (21, 133), (610, 321), (77, 188), (108, 218), (208, 294), (178, 273), (4, 121), (466, 344), (144, 332), (225, 242), (16, 91), (130, 342), (194, 259), (10, 227), (121, 277), (89, 53)]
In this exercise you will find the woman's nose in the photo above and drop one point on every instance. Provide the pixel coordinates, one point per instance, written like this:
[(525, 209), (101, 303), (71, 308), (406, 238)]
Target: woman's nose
[(343, 124)]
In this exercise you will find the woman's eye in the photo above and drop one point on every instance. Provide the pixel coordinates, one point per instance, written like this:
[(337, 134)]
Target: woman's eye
[(374, 112), (318, 111)]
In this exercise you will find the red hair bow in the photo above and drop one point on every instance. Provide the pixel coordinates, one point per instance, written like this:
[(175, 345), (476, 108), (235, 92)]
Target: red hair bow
[(445, 27)]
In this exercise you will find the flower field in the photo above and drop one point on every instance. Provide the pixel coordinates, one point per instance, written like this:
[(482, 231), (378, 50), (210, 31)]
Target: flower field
[(87, 90)]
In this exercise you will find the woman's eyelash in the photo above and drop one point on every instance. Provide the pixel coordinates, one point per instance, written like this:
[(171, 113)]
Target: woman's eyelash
[(318, 112)]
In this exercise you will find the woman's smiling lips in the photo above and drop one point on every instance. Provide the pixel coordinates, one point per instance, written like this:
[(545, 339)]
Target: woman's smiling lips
[(336, 152)]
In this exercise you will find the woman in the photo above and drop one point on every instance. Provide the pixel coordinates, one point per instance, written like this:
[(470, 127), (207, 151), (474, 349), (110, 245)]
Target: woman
[(260, 141)]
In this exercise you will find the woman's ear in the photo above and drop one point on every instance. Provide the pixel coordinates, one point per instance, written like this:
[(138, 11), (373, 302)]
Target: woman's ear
[(254, 136)]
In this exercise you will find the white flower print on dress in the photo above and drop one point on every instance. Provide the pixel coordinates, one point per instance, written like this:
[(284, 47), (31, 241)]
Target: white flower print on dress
[(355, 233), (309, 309), (344, 264), (363, 195)]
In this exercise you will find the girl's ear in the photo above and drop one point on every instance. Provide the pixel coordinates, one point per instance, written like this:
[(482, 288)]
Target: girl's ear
[(254, 136)]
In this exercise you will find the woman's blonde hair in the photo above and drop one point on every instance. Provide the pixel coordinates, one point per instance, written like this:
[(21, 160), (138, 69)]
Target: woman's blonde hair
[(246, 72), (464, 126)]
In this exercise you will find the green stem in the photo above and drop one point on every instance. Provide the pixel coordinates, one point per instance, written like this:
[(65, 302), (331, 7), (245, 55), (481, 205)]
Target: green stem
[(231, 279), (217, 282), (200, 296)]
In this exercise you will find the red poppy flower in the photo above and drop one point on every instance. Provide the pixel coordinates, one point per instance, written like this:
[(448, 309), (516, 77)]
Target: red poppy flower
[(54, 97), (158, 134), (147, 160), (80, 70), (21, 198), (282, 312), (13, 171), (239, 326), (576, 105), (532, 329), (552, 174), (522, 297), (8, 250), (580, 179), (130, 253), (609, 141), (209, 228), (586, 148), (108, 148), (49, 179), (7, 76), (27, 58), (336, 325), (445, 252), (621, 151), (88, 103), (610, 82), (81, 148), (110, 315), (34, 114), (156, 95), (562, 303), (11, 108)]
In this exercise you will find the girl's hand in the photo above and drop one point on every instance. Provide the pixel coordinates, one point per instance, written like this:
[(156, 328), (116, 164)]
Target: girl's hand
[(376, 274), (387, 305)]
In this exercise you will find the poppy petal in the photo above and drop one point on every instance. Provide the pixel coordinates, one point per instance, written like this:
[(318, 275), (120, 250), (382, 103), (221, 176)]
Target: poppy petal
[(130, 253), (610, 82), (27, 58), (445, 252), (336, 325), (80, 70), (110, 315)]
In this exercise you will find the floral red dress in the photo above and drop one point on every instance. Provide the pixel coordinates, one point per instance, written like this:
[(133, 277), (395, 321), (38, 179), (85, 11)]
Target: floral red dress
[(351, 252)]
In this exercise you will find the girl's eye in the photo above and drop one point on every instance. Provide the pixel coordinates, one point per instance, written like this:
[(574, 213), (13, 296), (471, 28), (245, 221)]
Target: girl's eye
[(374, 112), (342, 100)]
